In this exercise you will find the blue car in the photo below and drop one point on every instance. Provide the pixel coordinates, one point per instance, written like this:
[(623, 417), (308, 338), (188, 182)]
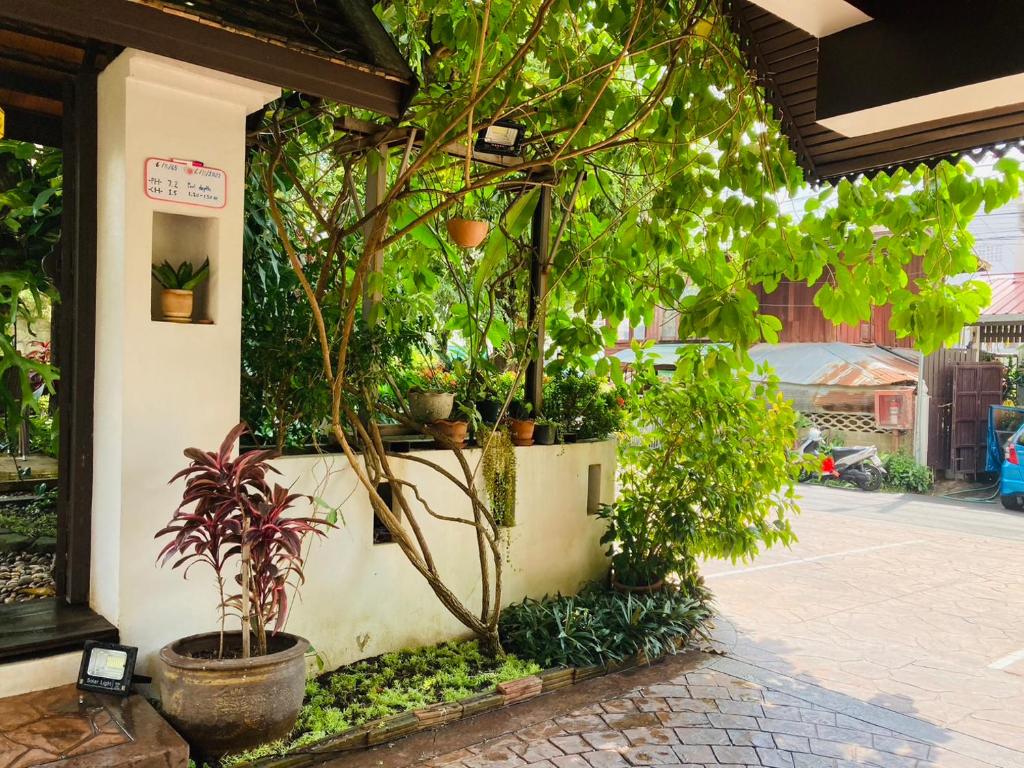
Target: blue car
[(1011, 482)]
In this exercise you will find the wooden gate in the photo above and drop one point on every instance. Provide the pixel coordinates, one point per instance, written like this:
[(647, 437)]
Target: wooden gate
[(976, 386), (937, 371)]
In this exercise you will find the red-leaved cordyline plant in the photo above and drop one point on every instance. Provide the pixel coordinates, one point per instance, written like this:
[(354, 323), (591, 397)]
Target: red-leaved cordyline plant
[(238, 516)]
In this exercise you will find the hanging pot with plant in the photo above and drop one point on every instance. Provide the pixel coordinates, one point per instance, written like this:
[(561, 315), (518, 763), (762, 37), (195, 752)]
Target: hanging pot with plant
[(227, 691), (467, 233), (179, 284)]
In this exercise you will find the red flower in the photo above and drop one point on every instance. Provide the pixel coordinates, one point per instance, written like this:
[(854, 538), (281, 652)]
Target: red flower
[(620, 402)]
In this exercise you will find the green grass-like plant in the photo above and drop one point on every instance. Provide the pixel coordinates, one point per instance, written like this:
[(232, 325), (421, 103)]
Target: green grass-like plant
[(599, 626), (906, 475), (34, 519), (184, 277), (388, 685)]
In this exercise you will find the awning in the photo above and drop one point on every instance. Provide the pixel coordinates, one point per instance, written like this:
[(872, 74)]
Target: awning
[(863, 86)]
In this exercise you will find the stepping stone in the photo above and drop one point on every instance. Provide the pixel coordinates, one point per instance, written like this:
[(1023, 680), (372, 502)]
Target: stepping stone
[(14, 542), (44, 545), (85, 730)]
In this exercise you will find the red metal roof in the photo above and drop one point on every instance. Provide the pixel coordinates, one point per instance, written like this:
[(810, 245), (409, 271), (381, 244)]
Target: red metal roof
[(1007, 296)]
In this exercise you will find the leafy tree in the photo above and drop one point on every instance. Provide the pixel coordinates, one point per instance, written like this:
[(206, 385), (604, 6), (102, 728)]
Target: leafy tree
[(666, 170), (30, 217)]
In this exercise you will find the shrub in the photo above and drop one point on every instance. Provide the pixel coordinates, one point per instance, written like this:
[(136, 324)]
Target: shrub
[(583, 404), (705, 471), (598, 626), (905, 474)]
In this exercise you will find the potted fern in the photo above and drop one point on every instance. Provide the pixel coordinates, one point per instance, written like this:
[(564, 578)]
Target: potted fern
[(227, 691), (179, 284)]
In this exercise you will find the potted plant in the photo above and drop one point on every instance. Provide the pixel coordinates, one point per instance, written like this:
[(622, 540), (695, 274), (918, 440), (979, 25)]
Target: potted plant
[(179, 284), (466, 232), (431, 393), (227, 691), (585, 406), (520, 424), (650, 526), (455, 429), (545, 431)]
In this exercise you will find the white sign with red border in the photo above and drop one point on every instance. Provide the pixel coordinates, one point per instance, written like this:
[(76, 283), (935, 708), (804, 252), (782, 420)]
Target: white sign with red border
[(187, 182)]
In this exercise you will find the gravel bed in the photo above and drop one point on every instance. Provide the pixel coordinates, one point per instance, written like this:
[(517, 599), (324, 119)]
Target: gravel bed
[(25, 576)]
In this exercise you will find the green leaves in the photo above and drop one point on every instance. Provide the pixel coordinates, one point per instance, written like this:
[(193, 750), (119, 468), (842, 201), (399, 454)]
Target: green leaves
[(183, 278)]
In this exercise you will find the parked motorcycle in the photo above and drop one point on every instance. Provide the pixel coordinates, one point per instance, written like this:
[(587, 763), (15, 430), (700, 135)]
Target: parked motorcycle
[(858, 465)]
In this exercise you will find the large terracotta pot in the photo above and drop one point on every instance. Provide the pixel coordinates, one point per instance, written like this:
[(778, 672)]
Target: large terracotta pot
[(227, 705), (428, 407), (641, 589), (455, 431), (521, 431), (176, 305), (468, 233)]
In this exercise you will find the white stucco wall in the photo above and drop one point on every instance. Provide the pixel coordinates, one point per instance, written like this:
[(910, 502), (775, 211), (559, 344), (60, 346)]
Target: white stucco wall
[(361, 598), (161, 387)]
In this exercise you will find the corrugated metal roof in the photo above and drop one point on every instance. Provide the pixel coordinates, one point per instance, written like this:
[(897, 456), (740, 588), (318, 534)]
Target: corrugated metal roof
[(837, 364), (1007, 297)]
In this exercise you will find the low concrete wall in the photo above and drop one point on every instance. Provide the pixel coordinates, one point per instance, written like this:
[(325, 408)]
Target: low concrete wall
[(362, 598)]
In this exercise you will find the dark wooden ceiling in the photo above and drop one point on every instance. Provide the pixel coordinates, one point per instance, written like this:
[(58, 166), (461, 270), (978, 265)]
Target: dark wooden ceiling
[(335, 49), (36, 70), (785, 59)]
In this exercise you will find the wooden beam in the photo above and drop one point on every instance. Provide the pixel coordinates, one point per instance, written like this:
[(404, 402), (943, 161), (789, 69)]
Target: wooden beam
[(540, 237), (75, 349), (376, 188), (150, 29)]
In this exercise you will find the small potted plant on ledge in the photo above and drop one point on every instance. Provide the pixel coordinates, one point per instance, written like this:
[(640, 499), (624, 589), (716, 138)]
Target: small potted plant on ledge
[(431, 393), (455, 429), (545, 431), (179, 284), (520, 424), (227, 691)]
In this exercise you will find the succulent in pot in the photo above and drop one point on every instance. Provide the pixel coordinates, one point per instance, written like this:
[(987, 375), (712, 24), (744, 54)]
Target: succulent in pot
[(179, 284), (226, 691)]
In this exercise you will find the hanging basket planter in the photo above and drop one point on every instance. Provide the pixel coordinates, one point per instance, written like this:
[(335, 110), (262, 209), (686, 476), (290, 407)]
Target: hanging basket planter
[(467, 233)]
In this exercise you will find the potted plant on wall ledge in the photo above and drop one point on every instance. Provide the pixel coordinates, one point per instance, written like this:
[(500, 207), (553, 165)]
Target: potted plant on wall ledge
[(227, 691), (431, 394), (179, 284), (520, 424)]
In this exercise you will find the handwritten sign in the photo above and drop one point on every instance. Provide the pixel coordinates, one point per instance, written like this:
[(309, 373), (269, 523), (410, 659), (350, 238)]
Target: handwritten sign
[(185, 181)]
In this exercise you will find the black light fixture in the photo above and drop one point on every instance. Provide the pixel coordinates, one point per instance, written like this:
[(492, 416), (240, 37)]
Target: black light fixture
[(107, 668), (502, 137)]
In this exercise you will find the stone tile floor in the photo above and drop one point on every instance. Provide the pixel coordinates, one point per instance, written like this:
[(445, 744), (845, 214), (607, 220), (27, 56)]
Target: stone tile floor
[(885, 638)]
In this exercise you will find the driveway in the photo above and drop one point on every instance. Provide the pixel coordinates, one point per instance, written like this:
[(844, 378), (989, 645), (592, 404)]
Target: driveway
[(891, 635), (910, 603)]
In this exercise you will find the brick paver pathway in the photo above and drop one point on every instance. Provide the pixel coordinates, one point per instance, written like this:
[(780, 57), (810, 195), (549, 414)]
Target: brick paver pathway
[(711, 718), (885, 639)]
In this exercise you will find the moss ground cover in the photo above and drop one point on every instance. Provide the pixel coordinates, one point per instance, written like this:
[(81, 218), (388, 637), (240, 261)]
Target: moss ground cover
[(390, 684)]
